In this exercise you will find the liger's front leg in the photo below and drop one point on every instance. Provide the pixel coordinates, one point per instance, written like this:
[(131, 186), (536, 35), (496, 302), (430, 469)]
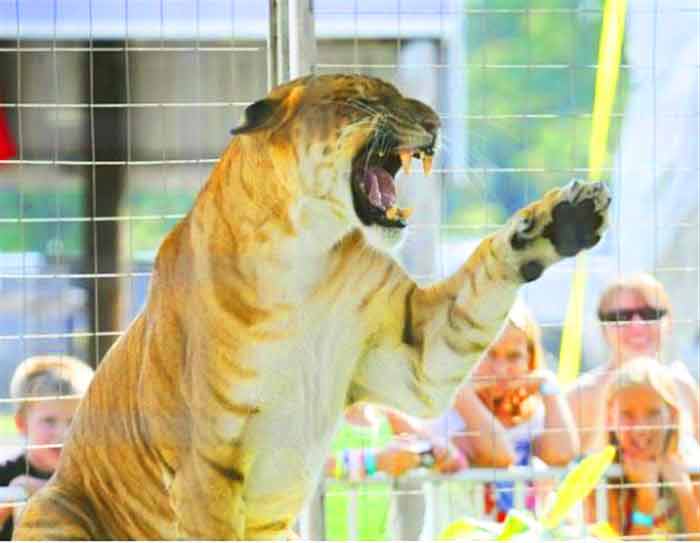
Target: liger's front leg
[(446, 327)]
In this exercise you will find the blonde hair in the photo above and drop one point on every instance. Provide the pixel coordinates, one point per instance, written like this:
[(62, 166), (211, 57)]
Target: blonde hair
[(48, 376), (521, 317), (647, 371), (643, 284)]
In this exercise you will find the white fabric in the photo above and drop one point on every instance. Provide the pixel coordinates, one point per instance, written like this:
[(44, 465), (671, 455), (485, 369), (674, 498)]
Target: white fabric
[(450, 424), (528, 430)]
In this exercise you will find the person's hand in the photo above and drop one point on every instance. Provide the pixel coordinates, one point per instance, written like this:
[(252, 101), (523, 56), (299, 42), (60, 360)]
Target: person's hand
[(481, 377), (533, 382), (449, 459), (396, 460), (674, 469), (479, 383)]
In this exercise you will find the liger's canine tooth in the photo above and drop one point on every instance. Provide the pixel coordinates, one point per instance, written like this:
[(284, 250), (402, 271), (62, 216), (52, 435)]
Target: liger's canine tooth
[(405, 212), (427, 164), (405, 155), (393, 213)]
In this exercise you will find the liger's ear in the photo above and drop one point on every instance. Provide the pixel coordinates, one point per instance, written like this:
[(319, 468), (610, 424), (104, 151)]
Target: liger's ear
[(271, 113), (258, 115)]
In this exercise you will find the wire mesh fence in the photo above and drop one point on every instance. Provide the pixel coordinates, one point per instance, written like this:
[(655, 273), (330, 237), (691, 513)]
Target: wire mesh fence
[(116, 111)]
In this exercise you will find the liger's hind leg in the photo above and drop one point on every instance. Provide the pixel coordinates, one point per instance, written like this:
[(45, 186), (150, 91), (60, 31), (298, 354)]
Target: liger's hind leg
[(51, 516), (207, 497)]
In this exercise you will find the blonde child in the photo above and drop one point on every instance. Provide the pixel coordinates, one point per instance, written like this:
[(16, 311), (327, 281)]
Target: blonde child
[(646, 422), (512, 410), (47, 389)]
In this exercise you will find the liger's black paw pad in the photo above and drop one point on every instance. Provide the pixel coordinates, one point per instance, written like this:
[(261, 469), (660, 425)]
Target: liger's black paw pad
[(573, 227), (531, 270)]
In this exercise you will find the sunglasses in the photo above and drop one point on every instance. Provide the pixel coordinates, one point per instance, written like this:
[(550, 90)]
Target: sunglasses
[(646, 313)]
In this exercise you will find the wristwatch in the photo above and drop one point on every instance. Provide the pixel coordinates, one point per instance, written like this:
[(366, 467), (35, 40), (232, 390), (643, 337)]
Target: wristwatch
[(427, 458)]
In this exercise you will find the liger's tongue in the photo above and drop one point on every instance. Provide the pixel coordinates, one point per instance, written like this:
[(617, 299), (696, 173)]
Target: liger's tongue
[(380, 188)]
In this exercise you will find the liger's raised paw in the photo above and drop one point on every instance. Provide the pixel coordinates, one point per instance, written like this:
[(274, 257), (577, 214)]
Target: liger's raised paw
[(561, 224)]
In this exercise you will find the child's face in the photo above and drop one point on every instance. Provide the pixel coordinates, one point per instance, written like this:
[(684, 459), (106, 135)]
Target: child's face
[(46, 423), (507, 360), (640, 419)]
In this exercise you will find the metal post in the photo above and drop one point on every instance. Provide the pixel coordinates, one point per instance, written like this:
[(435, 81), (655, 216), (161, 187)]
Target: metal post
[(107, 133), (478, 498), (282, 41), (302, 38), (312, 521), (352, 513), (601, 501), (291, 50), (272, 39)]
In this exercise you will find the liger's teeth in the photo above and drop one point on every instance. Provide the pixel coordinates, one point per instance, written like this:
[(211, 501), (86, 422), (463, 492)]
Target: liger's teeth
[(405, 155), (427, 164), (405, 212), (393, 213)]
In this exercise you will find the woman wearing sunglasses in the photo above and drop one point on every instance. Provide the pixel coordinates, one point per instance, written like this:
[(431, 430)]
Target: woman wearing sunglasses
[(634, 314)]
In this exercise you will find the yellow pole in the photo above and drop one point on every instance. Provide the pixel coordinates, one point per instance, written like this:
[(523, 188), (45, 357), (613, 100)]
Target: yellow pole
[(609, 54)]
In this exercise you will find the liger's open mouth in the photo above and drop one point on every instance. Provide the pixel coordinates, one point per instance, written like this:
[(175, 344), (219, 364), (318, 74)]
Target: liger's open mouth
[(374, 188)]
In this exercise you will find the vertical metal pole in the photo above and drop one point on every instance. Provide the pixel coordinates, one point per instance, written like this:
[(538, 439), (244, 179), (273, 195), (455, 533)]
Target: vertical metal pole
[(519, 491), (430, 491), (478, 499), (311, 521), (272, 41), (601, 501), (302, 38), (282, 41), (352, 513), (105, 83), (291, 47), (322, 512)]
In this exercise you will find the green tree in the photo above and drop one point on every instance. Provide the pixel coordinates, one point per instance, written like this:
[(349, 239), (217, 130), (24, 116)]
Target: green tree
[(531, 68)]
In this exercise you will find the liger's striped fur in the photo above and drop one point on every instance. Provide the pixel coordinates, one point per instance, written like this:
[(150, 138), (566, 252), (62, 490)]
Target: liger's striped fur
[(269, 312)]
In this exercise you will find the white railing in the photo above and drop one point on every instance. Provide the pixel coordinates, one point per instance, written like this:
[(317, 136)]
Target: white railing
[(436, 509), (437, 505)]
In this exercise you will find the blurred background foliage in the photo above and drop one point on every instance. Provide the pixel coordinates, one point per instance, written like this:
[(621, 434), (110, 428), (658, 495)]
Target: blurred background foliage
[(531, 74), (531, 77)]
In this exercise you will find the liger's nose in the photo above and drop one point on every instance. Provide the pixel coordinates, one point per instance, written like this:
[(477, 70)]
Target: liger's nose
[(425, 116), (431, 124)]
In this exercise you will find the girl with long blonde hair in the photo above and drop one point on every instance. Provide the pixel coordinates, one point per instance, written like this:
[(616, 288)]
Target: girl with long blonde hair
[(645, 421)]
